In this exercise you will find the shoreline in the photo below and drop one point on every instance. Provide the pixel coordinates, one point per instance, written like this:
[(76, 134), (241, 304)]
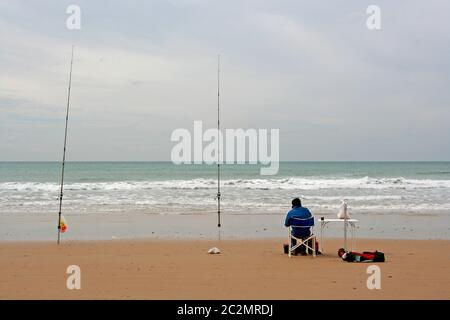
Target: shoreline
[(42, 227), (246, 269), (203, 240)]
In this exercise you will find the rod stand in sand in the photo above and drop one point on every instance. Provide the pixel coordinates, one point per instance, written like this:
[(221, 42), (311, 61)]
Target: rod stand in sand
[(218, 210), (64, 151), (59, 218), (218, 144)]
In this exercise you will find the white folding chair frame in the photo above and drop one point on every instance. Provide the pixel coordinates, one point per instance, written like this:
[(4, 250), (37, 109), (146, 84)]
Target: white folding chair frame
[(301, 242)]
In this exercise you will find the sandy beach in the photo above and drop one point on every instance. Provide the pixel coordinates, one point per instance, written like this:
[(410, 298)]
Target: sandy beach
[(246, 269)]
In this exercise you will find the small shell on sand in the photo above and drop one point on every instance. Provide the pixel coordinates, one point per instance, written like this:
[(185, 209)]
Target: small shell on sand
[(214, 250)]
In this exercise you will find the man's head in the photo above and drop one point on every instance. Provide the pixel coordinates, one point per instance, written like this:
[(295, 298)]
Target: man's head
[(296, 202), (341, 252)]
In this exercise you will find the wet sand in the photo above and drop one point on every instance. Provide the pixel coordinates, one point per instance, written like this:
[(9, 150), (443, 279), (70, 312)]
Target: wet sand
[(133, 225)]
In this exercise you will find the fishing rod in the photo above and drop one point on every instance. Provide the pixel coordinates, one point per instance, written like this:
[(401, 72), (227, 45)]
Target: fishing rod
[(64, 152), (218, 141)]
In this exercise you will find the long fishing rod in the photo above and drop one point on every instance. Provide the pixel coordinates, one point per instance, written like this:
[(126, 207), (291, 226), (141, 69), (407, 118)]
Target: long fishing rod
[(64, 152), (218, 141)]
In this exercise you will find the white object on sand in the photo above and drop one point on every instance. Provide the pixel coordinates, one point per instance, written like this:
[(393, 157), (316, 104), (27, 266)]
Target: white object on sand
[(214, 250), (343, 211)]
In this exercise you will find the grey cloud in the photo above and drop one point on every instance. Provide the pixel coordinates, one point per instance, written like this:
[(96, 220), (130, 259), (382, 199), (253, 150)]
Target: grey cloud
[(336, 90)]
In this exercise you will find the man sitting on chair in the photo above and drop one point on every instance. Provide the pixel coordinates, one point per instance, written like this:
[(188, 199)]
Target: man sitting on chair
[(298, 212)]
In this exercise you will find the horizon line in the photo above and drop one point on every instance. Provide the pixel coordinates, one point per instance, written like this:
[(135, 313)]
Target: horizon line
[(169, 161)]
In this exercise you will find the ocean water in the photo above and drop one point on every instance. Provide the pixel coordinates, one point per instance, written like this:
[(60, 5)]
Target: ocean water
[(405, 188)]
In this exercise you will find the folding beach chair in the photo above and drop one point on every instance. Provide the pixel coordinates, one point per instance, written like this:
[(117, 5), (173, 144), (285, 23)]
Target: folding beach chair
[(302, 223)]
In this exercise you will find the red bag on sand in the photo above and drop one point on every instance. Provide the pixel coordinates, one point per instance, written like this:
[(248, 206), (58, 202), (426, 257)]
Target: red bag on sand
[(366, 256)]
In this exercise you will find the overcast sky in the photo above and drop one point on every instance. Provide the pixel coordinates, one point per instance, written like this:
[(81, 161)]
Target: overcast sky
[(336, 90)]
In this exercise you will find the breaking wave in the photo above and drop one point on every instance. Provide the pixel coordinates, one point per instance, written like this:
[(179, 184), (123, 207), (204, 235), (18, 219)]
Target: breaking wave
[(262, 184)]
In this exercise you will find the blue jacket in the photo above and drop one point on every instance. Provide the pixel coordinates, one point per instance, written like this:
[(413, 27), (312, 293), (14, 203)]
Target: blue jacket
[(302, 213)]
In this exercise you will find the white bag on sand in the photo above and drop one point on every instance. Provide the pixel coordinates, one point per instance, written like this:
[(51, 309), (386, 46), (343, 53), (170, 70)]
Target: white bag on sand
[(214, 250), (343, 211)]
